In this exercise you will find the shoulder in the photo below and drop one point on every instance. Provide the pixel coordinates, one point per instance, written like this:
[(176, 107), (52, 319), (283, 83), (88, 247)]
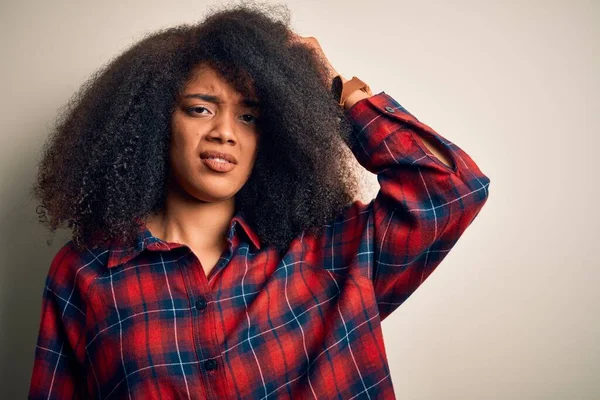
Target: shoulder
[(72, 267)]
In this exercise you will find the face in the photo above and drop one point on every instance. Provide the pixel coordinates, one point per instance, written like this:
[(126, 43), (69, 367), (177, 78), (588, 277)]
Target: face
[(214, 137)]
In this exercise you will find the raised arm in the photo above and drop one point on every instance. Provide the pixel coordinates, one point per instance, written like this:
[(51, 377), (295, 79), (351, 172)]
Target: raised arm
[(423, 205), (430, 192)]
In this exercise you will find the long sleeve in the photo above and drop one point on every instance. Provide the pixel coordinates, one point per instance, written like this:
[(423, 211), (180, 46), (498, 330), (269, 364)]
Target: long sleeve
[(422, 207), (57, 370)]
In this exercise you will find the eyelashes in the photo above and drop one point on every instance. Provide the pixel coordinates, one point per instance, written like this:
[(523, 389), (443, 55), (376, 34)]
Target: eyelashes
[(195, 111), (192, 110)]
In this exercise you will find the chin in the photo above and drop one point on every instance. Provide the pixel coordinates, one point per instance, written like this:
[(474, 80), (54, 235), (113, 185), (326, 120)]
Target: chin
[(211, 193)]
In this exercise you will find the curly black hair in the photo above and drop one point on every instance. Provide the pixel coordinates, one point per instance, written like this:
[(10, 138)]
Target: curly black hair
[(105, 165)]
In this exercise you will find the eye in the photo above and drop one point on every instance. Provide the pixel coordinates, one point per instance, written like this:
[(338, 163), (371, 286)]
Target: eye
[(253, 118), (196, 109)]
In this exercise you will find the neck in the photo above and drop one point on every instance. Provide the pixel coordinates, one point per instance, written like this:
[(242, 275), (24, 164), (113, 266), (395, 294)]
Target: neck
[(187, 220)]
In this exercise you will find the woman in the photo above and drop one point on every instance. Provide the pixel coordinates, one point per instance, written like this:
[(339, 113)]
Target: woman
[(217, 248)]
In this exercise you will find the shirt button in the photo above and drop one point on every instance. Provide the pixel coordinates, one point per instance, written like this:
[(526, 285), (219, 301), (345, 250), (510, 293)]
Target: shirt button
[(201, 303), (210, 365), (389, 109)]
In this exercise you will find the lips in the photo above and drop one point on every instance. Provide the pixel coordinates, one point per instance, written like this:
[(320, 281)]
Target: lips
[(218, 161), (217, 154)]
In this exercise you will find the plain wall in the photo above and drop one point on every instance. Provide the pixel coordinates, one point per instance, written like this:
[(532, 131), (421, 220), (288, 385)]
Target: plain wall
[(513, 310)]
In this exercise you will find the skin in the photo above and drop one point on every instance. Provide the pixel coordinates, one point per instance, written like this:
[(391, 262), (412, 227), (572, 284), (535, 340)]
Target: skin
[(200, 202)]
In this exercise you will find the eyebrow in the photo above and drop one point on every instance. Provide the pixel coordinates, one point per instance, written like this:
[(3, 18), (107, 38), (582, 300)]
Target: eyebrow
[(215, 99)]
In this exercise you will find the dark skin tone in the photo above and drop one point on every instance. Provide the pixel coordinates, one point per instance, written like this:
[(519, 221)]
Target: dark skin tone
[(201, 202)]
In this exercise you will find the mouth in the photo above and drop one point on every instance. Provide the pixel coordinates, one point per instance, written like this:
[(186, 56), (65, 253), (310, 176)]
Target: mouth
[(218, 164), (218, 161)]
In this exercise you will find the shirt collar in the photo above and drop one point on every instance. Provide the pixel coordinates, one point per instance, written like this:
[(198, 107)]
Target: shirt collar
[(120, 254), (240, 219)]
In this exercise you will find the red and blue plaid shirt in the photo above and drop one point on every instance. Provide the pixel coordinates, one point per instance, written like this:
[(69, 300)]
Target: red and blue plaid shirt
[(146, 322)]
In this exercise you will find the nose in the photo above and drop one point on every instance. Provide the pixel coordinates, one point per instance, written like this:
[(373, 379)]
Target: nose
[(223, 128)]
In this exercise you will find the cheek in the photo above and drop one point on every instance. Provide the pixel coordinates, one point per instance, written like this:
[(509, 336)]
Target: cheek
[(183, 162), (183, 144)]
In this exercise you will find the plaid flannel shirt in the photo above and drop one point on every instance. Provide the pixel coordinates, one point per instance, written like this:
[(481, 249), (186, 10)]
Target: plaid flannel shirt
[(146, 322)]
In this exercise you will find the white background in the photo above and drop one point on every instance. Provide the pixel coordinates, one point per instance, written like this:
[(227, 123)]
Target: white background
[(513, 310)]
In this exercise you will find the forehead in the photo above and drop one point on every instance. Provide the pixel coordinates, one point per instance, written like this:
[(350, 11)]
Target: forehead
[(206, 79)]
